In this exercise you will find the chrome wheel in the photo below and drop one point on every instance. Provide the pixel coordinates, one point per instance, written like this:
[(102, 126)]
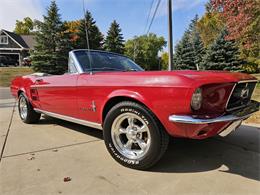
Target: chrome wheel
[(131, 135), (23, 108)]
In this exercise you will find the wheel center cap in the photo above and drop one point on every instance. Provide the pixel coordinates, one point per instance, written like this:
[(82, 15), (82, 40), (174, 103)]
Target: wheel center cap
[(131, 134)]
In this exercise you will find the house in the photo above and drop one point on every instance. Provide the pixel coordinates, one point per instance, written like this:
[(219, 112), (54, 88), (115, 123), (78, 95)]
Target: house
[(14, 47)]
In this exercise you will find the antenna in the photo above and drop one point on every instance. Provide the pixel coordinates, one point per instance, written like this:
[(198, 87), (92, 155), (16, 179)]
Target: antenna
[(87, 40)]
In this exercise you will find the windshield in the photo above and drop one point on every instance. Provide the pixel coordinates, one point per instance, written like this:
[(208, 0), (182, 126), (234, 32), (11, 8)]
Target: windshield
[(104, 61)]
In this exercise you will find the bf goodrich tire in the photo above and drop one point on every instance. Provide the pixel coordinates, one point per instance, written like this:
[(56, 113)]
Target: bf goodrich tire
[(133, 135), (26, 112)]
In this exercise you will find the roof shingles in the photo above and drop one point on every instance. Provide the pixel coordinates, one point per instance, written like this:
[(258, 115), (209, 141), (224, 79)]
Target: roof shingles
[(17, 38)]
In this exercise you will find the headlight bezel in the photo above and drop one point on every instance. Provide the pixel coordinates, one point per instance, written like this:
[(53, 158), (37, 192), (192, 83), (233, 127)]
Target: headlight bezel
[(196, 99)]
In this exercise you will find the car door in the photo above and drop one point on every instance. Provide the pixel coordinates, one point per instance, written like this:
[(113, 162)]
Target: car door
[(90, 97), (57, 94)]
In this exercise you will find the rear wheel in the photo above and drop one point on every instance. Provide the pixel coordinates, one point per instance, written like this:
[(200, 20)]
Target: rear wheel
[(134, 136), (26, 112)]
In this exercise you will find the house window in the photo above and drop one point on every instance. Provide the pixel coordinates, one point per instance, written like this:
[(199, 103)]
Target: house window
[(3, 39)]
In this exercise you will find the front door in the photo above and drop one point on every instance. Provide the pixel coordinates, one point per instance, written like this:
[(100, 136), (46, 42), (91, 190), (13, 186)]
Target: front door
[(57, 94)]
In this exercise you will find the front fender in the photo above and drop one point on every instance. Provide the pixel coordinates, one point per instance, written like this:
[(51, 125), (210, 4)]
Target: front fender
[(127, 94)]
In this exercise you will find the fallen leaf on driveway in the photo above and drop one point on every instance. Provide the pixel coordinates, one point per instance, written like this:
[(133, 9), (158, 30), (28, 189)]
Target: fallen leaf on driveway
[(31, 158), (66, 179)]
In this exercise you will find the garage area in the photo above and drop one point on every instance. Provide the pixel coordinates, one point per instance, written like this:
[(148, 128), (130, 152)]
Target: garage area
[(14, 48), (9, 59)]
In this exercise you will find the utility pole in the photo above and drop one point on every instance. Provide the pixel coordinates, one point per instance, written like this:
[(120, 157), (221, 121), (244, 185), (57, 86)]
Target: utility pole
[(170, 43)]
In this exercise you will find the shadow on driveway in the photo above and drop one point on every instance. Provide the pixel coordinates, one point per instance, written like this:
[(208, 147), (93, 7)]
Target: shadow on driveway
[(238, 152)]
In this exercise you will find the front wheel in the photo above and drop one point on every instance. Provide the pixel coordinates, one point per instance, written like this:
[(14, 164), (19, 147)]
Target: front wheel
[(26, 112), (134, 136)]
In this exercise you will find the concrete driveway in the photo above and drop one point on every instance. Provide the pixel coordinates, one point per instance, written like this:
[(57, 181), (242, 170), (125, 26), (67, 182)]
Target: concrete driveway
[(38, 157)]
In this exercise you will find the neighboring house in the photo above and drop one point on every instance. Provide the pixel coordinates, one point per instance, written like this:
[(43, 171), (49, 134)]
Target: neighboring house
[(14, 47)]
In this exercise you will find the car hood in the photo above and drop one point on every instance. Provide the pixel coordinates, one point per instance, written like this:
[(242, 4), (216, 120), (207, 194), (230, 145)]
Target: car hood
[(216, 75), (176, 78)]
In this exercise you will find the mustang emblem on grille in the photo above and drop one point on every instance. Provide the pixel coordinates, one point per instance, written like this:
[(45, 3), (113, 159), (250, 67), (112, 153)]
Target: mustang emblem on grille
[(244, 93)]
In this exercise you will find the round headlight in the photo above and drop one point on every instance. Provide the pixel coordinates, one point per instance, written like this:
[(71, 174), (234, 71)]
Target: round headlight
[(196, 100)]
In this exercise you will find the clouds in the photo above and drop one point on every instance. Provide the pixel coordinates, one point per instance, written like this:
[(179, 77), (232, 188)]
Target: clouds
[(186, 4), (12, 10), (178, 5)]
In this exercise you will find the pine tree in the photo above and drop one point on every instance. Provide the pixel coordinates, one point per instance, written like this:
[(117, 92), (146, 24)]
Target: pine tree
[(94, 35), (51, 52), (193, 25), (198, 50), (223, 55), (189, 51), (114, 41), (184, 54)]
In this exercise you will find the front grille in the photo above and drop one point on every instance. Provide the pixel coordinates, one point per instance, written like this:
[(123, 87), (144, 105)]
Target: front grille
[(241, 95)]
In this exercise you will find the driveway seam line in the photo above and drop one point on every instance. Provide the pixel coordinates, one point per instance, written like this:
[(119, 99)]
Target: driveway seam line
[(47, 149), (7, 133)]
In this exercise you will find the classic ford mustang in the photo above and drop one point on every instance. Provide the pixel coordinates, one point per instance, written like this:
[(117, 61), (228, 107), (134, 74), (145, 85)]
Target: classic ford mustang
[(137, 110)]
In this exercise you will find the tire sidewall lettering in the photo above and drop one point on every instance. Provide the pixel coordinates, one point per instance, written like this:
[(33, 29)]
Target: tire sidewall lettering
[(122, 158), (134, 111), (141, 111), (111, 145)]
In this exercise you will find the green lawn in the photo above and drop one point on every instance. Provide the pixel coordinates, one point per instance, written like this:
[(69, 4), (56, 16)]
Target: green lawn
[(256, 96), (258, 77), (9, 73)]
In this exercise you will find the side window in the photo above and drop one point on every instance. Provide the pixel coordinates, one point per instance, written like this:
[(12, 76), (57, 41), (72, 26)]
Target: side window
[(71, 66), (3, 39)]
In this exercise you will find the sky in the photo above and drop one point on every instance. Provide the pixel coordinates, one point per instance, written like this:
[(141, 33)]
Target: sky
[(130, 14)]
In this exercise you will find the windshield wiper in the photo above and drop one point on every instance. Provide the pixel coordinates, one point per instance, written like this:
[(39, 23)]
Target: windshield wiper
[(131, 69), (105, 68), (111, 68)]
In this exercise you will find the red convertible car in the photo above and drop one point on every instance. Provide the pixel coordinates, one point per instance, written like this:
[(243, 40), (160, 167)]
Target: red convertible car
[(137, 110)]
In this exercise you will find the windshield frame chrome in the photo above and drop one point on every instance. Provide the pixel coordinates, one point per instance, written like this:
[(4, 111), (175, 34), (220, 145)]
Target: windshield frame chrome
[(76, 62)]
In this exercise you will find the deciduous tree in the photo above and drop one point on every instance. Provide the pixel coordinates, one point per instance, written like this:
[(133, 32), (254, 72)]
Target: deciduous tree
[(72, 29), (144, 50), (242, 19), (164, 61), (209, 27), (24, 27)]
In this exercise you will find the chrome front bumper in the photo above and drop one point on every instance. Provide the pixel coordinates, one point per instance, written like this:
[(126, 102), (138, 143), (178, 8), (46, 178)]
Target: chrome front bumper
[(234, 116)]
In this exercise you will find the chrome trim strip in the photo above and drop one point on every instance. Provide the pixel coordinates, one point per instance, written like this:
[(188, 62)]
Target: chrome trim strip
[(190, 120), (70, 119), (247, 81), (230, 95), (77, 65)]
